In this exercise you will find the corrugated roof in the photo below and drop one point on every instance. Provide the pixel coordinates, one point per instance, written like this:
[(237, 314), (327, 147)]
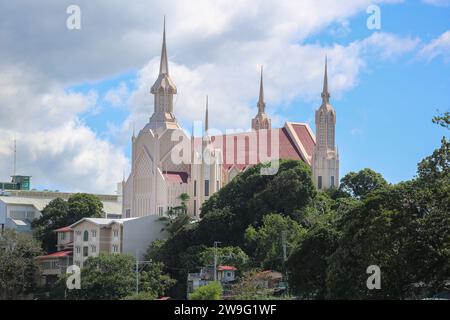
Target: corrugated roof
[(39, 203)]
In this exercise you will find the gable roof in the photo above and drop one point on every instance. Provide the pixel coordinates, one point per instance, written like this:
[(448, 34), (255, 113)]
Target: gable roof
[(295, 141)]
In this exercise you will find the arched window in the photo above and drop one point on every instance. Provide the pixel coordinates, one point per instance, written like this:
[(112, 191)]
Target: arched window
[(86, 236)]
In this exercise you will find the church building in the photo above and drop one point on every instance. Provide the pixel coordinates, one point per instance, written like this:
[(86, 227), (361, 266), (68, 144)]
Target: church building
[(167, 162)]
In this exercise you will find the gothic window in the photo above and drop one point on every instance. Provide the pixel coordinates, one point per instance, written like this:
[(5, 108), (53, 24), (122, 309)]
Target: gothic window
[(85, 251), (195, 188), (319, 182), (195, 208), (86, 236), (206, 188)]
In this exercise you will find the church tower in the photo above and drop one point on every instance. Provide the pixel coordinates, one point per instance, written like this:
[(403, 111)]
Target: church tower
[(163, 90), (325, 161), (261, 121)]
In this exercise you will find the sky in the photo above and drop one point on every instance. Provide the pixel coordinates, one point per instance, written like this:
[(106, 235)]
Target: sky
[(71, 97)]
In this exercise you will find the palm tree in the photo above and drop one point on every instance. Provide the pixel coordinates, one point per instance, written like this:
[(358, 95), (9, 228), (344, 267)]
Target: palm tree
[(176, 218)]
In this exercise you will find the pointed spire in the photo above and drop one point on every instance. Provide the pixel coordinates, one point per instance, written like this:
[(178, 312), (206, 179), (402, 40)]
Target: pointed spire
[(325, 92), (261, 104), (206, 117), (164, 67)]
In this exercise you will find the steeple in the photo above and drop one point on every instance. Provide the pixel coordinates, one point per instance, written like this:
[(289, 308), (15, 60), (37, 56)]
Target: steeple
[(163, 89), (163, 66), (325, 93), (325, 160), (261, 104), (261, 121), (206, 117)]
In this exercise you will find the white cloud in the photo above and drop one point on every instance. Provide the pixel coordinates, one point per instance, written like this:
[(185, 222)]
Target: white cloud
[(437, 47), (53, 146), (438, 3)]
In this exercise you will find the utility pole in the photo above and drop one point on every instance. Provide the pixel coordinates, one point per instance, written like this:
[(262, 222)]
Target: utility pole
[(15, 155), (283, 240), (137, 269), (215, 259)]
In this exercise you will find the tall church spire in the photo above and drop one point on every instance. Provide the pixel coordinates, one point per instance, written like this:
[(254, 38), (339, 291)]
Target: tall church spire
[(163, 66), (163, 89), (261, 104), (325, 160), (325, 92), (206, 117), (261, 121)]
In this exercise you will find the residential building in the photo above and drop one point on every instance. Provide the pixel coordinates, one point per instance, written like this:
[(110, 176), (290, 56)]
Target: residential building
[(54, 264), (132, 236)]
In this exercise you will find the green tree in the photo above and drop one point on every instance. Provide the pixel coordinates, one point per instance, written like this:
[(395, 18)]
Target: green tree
[(176, 218), (211, 291), (233, 256), (113, 277), (60, 213), (141, 296), (308, 263), (266, 242), (359, 184), (443, 120), (18, 267)]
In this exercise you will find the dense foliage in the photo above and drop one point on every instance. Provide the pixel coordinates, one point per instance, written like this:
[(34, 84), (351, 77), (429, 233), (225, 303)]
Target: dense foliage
[(329, 238)]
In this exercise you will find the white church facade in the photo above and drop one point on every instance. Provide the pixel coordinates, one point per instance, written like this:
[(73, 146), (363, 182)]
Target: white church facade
[(161, 171)]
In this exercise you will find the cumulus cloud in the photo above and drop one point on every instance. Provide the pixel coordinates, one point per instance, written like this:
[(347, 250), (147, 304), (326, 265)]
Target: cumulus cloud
[(53, 146)]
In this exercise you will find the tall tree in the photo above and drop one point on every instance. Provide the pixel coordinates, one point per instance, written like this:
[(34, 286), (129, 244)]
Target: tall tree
[(359, 184), (18, 267), (266, 243)]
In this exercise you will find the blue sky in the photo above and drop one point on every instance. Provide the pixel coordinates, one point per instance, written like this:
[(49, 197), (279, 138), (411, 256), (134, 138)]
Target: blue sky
[(82, 92)]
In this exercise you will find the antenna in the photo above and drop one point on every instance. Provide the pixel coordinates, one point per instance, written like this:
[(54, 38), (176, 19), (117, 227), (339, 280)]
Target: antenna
[(15, 155)]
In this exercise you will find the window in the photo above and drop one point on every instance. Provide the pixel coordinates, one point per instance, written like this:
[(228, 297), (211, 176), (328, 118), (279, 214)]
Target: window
[(195, 188), (77, 249), (127, 213), (160, 211), (332, 181), (85, 251), (217, 185), (319, 182), (206, 188), (195, 208), (78, 234), (93, 249), (86, 236), (115, 248), (116, 233), (94, 233), (63, 235)]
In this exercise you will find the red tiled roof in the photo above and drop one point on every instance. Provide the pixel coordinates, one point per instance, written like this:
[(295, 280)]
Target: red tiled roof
[(240, 153), (59, 254), (64, 229), (227, 268), (176, 177), (305, 137)]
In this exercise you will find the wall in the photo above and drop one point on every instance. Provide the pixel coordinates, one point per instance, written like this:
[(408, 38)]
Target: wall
[(139, 233)]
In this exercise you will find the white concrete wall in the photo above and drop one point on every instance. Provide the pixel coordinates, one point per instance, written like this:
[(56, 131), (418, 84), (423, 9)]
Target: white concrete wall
[(139, 233)]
